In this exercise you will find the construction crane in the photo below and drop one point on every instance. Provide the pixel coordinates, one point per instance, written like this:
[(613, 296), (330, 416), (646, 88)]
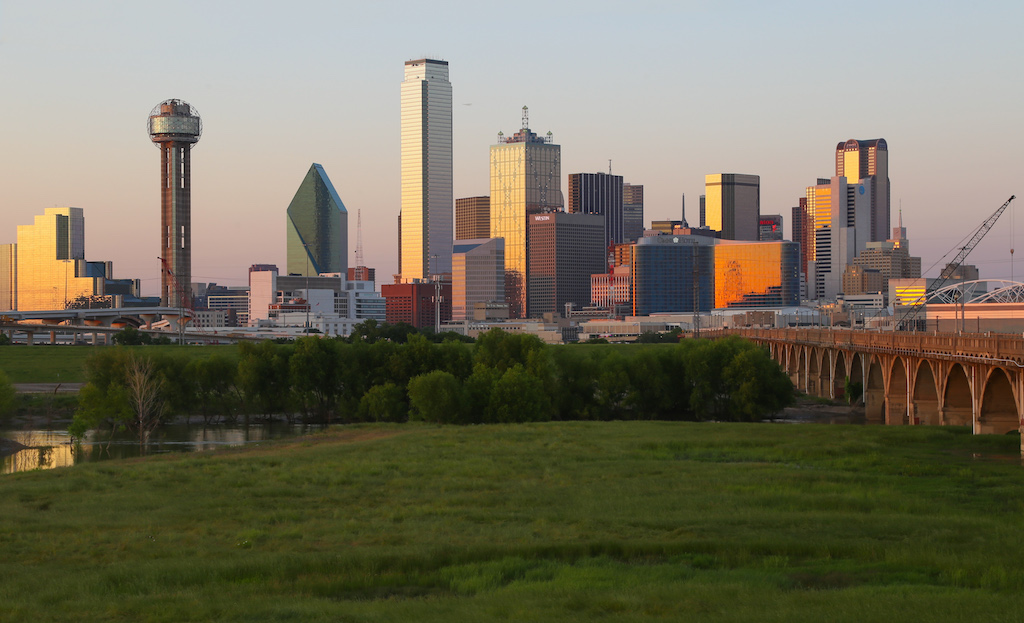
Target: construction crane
[(911, 312)]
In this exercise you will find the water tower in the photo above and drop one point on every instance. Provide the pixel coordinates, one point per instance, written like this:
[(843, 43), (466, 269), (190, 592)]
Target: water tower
[(174, 125)]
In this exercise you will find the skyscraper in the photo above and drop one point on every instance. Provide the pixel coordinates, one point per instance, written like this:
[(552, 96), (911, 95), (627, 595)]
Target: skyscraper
[(632, 212), (175, 126), (8, 277), (478, 275), (599, 193), (52, 271), (425, 234), (526, 175), (733, 205), (317, 226), (564, 251), (867, 162), (472, 218), (839, 220)]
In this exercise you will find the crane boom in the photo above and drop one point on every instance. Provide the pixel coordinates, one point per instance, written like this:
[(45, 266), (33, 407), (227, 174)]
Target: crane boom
[(947, 273)]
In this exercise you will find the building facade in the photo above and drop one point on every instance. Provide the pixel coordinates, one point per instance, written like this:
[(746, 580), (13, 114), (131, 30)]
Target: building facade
[(769, 227), (425, 246), (317, 227), (565, 250), (599, 193), (526, 175), (839, 215), (478, 275), (8, 277), (423, 304), (52, 272), (472, 218), (672, 274), (867, 162), (632, 212), (732, 205), (756, 274)]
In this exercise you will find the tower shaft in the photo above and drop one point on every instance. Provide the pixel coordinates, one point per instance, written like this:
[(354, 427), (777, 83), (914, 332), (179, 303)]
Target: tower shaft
[(176, 221)]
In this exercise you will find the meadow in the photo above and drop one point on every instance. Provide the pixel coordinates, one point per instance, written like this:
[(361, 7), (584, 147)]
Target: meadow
[(552, 521), (66, 364)]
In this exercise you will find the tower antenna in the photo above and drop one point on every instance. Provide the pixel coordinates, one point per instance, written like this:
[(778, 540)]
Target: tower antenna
[(359, 237), (526, 118)]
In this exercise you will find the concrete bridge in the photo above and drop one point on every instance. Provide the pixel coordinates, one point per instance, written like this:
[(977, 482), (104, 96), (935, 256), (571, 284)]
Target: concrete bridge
[(934, 379)]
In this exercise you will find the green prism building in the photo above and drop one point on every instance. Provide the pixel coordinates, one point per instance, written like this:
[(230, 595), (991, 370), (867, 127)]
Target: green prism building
[(317, 227)]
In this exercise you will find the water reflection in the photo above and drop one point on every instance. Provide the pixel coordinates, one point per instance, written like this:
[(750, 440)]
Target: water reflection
[(47, 449)]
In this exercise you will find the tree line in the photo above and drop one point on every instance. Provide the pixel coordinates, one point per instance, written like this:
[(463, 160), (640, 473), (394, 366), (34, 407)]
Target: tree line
[(503, 377)]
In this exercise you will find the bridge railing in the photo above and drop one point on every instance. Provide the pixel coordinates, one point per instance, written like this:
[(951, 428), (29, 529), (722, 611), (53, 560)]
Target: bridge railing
[(991, 346)]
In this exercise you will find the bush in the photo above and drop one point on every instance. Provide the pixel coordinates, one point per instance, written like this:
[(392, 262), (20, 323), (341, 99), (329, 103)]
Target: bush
[(384, 403), (436, 397)]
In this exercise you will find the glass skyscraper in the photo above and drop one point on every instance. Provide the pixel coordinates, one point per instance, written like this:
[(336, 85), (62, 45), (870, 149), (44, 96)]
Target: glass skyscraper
[(526, 175), (425, 234), (732, 205), (317, 227)]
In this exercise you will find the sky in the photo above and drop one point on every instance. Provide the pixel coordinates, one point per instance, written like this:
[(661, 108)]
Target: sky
[(668, 91)]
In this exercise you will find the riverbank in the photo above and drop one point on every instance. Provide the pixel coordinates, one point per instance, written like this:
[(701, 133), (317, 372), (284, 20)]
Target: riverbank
[(568, 521)]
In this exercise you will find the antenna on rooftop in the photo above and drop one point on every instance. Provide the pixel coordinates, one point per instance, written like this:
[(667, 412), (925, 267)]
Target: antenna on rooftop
[(609, 166), (359, 237), (526, 118)]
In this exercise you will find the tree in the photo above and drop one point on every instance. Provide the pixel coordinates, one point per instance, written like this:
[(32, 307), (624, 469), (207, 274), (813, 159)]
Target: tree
[(130, 336), (263, 376), (147, 401), (314, 373), (518, 397), (384, 403), (125, 390), (436, 397), (501, 350)]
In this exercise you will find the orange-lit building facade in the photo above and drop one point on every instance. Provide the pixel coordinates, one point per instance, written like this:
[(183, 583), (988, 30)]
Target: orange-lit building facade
[(757, 274)]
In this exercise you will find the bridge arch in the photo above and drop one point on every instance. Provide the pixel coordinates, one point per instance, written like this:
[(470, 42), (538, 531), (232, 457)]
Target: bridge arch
[(957, 398), (896, 393), (998, 413), (926, 395), (857, 374), (813, 372), (874, 393), (839, 375)]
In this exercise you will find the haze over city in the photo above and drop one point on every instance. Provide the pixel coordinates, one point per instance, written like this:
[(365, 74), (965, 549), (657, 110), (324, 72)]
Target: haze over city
[(668, 92)]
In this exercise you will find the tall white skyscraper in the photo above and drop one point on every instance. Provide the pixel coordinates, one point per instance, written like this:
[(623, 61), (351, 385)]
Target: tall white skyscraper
[(426, 220)]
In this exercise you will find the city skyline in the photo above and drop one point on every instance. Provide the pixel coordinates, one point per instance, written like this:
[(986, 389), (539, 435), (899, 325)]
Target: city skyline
[(946, 81)]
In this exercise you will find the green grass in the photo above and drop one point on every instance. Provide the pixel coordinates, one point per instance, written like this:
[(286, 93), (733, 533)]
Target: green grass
[(639, 521), (66, 364)]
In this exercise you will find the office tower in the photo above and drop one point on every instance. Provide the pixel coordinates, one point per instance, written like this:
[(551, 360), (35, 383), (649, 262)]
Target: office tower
[(756, 274), (175, 126), (472, 218), (672, 274), (565, 250), (839, 218), (525, 179), (425, 246), (665, 227), (733, 204), (703, 210), (891, 258), (478, 275), (52, 271), (769, 227), (317, 227), (632, 212), (599, 193), (867, 162), (8, 277)]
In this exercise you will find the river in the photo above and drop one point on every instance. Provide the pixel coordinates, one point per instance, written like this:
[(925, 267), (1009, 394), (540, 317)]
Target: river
[(48, 449)]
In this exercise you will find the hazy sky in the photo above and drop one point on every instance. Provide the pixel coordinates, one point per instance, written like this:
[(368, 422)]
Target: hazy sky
[(669, 91)]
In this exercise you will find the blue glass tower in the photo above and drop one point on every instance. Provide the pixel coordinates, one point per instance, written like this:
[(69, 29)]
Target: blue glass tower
[(317, 227)]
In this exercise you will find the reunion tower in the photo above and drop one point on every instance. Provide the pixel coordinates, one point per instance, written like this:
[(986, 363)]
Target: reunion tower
[(175, 126)]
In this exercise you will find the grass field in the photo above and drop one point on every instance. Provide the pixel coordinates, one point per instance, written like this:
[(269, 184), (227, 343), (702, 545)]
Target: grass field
[(638, 521), (66, 364)]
